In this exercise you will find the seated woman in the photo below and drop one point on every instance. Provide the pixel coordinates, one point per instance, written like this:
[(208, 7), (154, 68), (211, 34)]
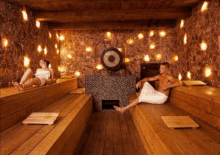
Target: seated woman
[(39, 79)]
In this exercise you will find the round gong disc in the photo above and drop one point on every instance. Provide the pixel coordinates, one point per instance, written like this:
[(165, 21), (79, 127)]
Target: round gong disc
[(111, 58)]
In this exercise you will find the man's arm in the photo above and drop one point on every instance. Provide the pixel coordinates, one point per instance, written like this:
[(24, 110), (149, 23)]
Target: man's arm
[(174, 82), (150, 79)]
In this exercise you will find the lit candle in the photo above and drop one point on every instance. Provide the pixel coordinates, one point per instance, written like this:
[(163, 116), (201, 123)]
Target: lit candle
[(55, 45), (26, 61), (162, 33), (158, 57), (88, 49), (109, 35), (50, 35), (175, 58), (5, 42), (37, 24), (204, 6), (127, 60), (182, 23), (77, 73), (180, 77), (208, 71), (130, 41), (140, 36), (45, 51), (24, 13), (151, 33), (39, 49), (58, 51), (99, 66), (152, 46), (61, 37), (185, 39), (146, 58), (69, 56), (203, 46), (189, 75)]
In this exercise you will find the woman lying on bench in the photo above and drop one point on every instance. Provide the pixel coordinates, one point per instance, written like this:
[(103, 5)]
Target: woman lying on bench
[(149, 94), (39, 79)]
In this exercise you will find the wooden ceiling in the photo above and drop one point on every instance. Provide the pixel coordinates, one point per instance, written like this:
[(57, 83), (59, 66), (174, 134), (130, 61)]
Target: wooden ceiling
[(109, 14)]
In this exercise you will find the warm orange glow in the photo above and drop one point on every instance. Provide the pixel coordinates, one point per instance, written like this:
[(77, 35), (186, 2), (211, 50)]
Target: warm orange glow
[(127, 60), (108, 35), (130, 41), (180, 77), (57, 36), (50, 35), (26, 61), (120, 49), (58, 51), (39, 49), (158, 57), (204, 6), (189, 75), (175, 58), (99, 66), (151, 33), (61, 37), (77, 73), (55, 45), (69, 56), (208, 71), (185, 39), (140, 36), (152, 46), (5, 42), (182, 23), (37, 24), (61, 68), (203, 46), (162, 33), (24, 13), (88, 49), (45, 51), (146, 58)]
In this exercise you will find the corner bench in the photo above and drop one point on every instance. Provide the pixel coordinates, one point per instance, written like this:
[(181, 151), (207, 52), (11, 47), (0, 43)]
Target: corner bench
[(159, 139), (17, 105), (60, 138)]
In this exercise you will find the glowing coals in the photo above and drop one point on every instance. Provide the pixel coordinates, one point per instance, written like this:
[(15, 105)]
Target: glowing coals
[(127, 60), (140, 36), (203, 46), (26, 61), (204, 6), (130, 41), (162, 33), (99, 66), (69, 56), (180, 77), (208, 71), (151, 33), (158, 57), (39, 49), (24, 13), (61, 38), (77, 73), (88, 49), (182, 23), (152, 46), (185, 39), (45, 51), (189, 75), (120, 49), (37, 24), (108, 35), (146, 58)]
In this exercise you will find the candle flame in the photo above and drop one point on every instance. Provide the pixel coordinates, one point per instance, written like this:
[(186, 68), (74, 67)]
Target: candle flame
[(77, 73), (204, 6), (151, 33), (39, 49), (127, 60), (130, 41), (180, 77), (162, 33), (203, 46), (24, 13), (140, 36), (26, 61), (189, 75), (182, 23), (99, 66), (37, 24), (208, 71), (147, 58)]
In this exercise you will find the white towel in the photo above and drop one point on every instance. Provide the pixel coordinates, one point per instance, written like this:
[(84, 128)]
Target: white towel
[(150, 95)]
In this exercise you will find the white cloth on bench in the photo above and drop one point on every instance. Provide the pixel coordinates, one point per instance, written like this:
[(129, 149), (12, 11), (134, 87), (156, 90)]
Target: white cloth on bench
[(150, 95), (43, 75)]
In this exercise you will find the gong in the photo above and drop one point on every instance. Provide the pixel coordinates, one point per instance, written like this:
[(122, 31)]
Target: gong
[(111, 58)]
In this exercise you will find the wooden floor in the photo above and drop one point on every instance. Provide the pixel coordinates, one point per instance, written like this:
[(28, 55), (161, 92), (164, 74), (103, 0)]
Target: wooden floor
[(110, 133)]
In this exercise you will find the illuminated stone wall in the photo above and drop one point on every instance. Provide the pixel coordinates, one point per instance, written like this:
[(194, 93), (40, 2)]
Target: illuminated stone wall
[(23, 38), (200, 27)]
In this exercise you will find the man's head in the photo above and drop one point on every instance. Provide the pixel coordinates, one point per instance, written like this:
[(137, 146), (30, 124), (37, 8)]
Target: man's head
[(164, 67)]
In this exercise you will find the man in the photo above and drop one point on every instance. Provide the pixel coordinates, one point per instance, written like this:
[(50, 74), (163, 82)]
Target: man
[(149, 94)]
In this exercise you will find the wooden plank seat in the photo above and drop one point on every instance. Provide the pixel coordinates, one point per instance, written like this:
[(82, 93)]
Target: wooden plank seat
[(60, 138), (17, 105), (200, 101), (159, 139)]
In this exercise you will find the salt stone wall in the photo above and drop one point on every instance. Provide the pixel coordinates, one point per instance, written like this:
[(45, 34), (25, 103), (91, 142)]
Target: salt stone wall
[(76, 42), (23, 38), (200, 27)]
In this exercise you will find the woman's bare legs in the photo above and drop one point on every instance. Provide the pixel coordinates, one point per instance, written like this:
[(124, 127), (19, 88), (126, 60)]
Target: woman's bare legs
[(27, 75), (29, 83), (122, 109)]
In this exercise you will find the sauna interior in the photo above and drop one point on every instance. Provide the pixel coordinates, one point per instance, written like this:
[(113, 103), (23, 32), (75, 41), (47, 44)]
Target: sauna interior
[(98, 51)]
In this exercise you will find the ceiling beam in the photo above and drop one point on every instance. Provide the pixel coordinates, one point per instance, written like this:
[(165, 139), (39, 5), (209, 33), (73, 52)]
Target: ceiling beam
[(115, 15), (111, 25)]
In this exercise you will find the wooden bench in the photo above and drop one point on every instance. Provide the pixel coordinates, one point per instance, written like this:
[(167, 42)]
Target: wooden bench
[(60, 138), (159, 139), (17, 105), (200, 101)]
